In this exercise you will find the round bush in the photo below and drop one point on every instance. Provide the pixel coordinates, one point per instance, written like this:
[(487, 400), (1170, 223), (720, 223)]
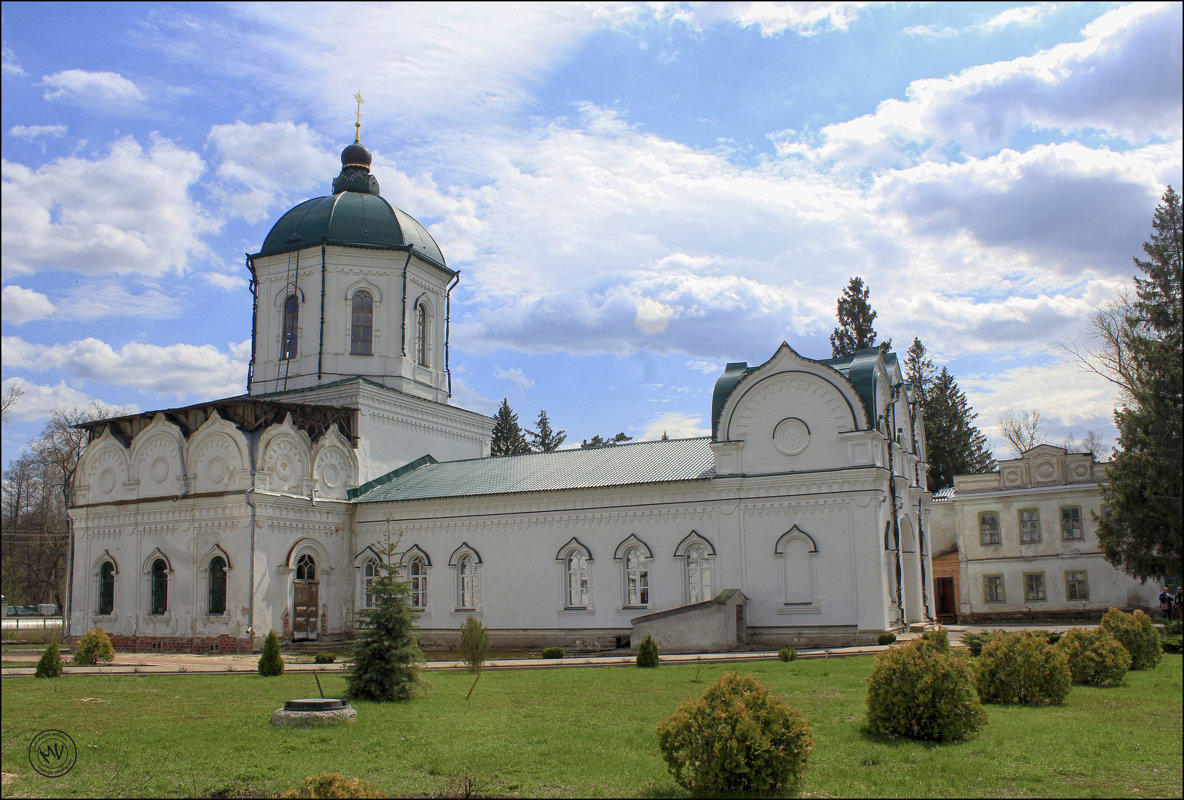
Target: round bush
[(937, 638), (1023, 669), (50, 663), (787, 654), (1138, 635), (975, 641), (324, 658), (94, 647), (332, 784), (886, 638), (1095, 657), (647, 652), (736, 738), (552, 652), (923, 692)]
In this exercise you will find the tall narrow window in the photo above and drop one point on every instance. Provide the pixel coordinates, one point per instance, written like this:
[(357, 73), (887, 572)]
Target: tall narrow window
[(369, 573), (362, 325), (988, 528), (1029, 526), (637, 578), (1076, 585), (576, 589), (306, 568), (107, 588), (1034, 587), (417, 570), (466, 590), (421, 335), (1071, 522), (159, 600), (217, 598), (992, 588), (698, 574), (291, 327)]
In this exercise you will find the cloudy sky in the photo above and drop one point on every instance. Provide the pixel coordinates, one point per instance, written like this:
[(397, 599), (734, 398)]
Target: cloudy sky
[(634, 194)]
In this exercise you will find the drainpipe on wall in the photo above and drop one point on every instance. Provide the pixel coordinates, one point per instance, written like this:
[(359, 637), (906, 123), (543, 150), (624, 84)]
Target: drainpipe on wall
[(321, 342), (254, 319), (251, 565), (447, 325), (403, 334), (890, 418)]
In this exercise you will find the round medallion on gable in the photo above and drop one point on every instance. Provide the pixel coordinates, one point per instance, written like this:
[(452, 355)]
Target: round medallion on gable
[(1045, 471), (216, 470), (160, 469), (1080, 471), (791, 436), (331, 475), (283, 468), (107, 480)]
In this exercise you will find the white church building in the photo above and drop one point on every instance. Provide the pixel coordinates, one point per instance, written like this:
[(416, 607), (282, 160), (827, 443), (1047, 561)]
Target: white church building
[(801, 520)]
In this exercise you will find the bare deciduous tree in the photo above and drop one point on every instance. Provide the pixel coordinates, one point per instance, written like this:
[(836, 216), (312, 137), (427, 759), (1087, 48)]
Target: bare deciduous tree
[(1021, 428), (8, 400), (1106, 350)]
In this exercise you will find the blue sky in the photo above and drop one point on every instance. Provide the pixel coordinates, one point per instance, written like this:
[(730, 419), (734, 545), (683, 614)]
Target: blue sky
[(634, 194)]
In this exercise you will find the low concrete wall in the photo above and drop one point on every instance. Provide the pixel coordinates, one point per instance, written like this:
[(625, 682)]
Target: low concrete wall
[(711, 626)]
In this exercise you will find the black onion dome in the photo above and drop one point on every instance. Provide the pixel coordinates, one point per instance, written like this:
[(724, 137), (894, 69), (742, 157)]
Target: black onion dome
[(356, 155)]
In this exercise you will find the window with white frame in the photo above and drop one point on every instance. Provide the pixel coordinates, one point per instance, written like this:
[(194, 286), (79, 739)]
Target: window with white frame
[(361, 340), (637, 578), (291, 327), (1029, 526), (370, 572), (1034, 587), (992, 588), (417, 576), (698, 573), (1071, 527), (576, 579), (1076, 585), (988, 528), (466, 582)]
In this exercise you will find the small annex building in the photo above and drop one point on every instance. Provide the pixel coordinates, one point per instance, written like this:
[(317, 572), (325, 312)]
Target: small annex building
[(802, 519)]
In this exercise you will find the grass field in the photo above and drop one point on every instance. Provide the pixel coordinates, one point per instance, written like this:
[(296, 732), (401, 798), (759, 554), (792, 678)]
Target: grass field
[(576, 731)]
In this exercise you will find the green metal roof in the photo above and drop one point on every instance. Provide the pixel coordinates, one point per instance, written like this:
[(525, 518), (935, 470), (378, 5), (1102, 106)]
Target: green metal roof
[(354, 219), (581, 468)]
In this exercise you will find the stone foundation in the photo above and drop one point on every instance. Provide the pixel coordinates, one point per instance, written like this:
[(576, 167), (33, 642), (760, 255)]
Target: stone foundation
[(198, 645)]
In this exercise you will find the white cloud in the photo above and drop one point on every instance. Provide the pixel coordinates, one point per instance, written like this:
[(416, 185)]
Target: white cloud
[(182, 371), (227, 283), (127, 212), (32, 132), (102, 299), (108, 90), (10, 67), (21, 305), (676, 425), (37, 400), (514, 376), (803, 18), (1020, 16)]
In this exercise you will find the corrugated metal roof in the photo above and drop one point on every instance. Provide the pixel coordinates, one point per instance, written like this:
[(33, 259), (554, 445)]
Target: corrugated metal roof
[(581, 468), (943, 494)]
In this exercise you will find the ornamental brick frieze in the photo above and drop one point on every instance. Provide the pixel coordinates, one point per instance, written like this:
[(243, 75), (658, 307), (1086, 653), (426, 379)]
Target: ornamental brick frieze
[(816, 506), (156, 530)]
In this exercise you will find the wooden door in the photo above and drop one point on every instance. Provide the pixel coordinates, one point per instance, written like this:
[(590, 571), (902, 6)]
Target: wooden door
[(946, 606), (304, 618)]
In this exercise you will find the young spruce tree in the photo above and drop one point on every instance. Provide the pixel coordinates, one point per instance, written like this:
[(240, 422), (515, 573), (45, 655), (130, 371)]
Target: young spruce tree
[(544, 440), (856, 317), (1142, 534), (508, 437), (386, 654)]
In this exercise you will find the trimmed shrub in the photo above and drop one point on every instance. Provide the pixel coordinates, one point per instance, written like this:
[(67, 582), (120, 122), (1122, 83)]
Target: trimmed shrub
[(787, 654), (1138, 635), (50, 664), (975, 641), (1095, 657), (94, 647), (937, 638), (1173, 643), (736, 738), (886, 638), (923, 692), (332, 784), (647, 652), (1023, 669), (1173, 628), (552, 652), (270, 661), (324, 658)]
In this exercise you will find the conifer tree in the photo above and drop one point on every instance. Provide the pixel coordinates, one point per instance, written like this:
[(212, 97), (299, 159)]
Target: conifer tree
[(271, 663), (954, 446), (918, 371), (544, 440), (856, 317), (1142, 533), (508, 438), (600, 441), (50, 663), (387, 655)]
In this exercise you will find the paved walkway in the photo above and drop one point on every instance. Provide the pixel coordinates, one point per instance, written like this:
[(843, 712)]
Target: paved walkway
[(168, 663)]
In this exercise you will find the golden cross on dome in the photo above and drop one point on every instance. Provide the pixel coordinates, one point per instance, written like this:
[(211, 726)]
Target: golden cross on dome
[(358, 124)]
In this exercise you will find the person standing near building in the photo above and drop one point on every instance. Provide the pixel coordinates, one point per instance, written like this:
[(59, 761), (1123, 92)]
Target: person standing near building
[(1165, 603)]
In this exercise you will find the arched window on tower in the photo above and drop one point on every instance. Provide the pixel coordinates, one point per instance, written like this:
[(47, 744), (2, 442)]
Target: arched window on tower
[(217, 598), (291, 327), (421, 335), (106, 589), (159, 592), (362, 325)]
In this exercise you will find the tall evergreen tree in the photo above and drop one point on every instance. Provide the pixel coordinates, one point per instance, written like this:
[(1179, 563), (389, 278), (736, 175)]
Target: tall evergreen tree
[(600, 441), (856, 318), (954, 446), (508, 437), (918, 371), (544, 440), (1142, 534)]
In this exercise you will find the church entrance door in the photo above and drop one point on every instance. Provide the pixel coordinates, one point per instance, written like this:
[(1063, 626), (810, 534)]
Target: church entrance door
[(946, 610), (304, 616)]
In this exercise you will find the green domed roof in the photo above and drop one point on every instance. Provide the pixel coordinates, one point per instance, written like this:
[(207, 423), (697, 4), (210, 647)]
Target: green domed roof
[(353, 219)]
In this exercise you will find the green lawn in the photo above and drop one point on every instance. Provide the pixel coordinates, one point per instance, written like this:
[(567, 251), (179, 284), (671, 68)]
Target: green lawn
[(576, 731)]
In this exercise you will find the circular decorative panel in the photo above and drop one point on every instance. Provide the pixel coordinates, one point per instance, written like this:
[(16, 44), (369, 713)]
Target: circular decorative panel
[(791, 436), (1045, 471), (331, 475), (216, 469), (160, 469), (107, 480)]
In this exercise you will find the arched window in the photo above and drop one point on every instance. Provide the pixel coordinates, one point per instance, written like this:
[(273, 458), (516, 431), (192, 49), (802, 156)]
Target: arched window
[(421, 335), (637, 578), (417, 571), (107, 588), (698, 574), (466, 582), (369, 573), (291, 327), (306, 568), (159, 593), (362, 325), (217, 599), (576, 579)]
